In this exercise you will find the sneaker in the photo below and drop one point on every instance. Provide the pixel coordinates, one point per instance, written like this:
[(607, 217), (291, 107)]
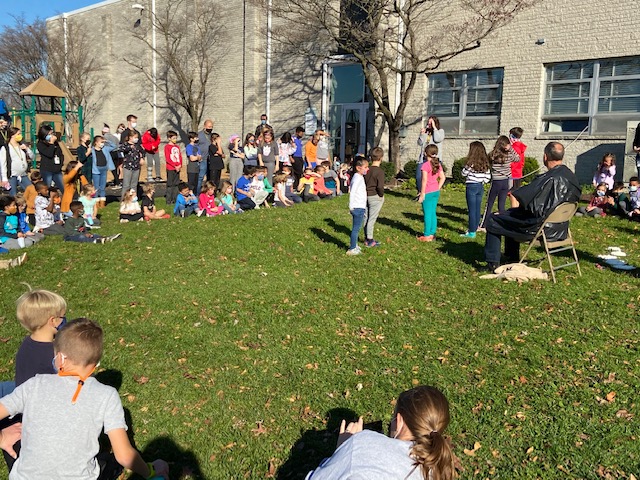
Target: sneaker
[(117, 187), (492, 266), (111, 238), (468, 235), (124, 220), (425, 238), (481, 230), (158, 179), (92, 227), (149, 180), (199, 212), (257, 207), (354, 251), (100, 240), (371, 243)]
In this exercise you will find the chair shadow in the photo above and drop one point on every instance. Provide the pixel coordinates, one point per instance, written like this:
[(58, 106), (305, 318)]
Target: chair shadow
[(328, 238), (470, 252), (338, 227), (397, 225), (315, 445)]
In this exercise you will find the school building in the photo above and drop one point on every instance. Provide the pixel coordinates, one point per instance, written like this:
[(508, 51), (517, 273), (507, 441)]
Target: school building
[(564, 70)]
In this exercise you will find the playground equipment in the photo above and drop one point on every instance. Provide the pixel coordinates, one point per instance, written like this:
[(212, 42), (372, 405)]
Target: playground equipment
[(44, 103)]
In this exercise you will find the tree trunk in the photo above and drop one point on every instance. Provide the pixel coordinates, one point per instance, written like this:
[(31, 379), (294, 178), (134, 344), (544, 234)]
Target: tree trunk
[(394, 145)]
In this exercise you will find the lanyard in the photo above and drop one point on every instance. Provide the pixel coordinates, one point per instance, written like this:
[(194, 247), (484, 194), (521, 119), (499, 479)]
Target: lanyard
[(81, 381)]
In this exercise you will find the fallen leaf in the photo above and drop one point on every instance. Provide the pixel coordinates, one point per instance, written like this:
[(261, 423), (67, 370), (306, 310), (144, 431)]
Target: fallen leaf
[(259, 430), (610, 397), (140, 379), (472, 453)]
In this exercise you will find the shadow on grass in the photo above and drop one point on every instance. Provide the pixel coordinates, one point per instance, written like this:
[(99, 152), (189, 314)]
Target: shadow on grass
[(328, 238), (409, 195), (182, 463), (397, 225), (413, 216), (338, 227), (315, 445), (453, 209), (469, 252)]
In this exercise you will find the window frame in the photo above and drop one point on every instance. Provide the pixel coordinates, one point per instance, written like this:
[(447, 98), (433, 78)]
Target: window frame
[(593, 115), (463, 101)]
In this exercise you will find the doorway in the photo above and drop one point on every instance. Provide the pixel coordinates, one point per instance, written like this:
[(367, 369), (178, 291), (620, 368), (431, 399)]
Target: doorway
[(348, 129)]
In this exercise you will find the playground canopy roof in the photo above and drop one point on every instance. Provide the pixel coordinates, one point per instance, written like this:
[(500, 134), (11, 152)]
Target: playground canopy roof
[(43, 88)]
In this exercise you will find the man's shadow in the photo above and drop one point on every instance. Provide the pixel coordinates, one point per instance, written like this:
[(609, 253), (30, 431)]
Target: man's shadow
[(315, 445)]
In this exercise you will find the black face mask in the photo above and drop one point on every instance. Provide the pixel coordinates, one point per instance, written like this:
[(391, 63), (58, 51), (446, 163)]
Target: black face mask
[(208, 131), (87, 143)]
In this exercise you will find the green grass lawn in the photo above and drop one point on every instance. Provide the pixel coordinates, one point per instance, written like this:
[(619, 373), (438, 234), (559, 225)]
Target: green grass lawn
[(237, 343)]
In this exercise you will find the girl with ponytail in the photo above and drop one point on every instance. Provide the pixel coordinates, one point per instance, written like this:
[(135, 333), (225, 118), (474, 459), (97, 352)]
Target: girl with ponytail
[(416, 448)]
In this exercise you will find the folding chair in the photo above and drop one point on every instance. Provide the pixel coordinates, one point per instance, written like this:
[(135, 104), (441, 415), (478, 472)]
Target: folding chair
[(563, 213)]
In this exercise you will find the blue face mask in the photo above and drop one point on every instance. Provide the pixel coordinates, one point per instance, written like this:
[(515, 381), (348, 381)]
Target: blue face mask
[(135, 199), (48, 137), (260, 177), (63, 322), (601, 193)]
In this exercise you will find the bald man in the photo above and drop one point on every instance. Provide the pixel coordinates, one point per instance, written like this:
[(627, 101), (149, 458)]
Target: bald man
[(204, 139)]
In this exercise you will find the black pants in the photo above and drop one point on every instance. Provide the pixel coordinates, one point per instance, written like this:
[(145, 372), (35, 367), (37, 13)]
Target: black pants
[(246, 204), (132, 217), (173, 179), (214, 177), (298, 169), (192, 180), (492, 249)]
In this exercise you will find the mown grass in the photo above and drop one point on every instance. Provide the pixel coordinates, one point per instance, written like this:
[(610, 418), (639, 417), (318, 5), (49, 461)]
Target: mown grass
[(238, 342)]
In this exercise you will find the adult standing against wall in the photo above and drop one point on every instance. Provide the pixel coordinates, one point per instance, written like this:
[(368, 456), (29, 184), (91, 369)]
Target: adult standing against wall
[(250, 151), (236, 159), (432, 134), (14, 158), (263, 124), (51, 157), (204, 139), (636, 148), (268, 154)]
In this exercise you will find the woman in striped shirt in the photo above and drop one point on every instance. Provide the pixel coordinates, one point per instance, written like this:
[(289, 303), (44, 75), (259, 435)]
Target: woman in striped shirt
[(477, 171), (501, 157)]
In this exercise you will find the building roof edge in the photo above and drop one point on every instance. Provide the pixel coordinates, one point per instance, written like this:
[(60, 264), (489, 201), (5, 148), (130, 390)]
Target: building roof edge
[(83, 9)]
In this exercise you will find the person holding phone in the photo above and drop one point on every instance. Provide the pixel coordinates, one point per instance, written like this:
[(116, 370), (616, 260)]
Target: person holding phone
[(432, 134), (51, 157)]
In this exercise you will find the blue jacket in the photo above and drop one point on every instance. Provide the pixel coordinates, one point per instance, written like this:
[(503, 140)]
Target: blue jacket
[(109, 146)]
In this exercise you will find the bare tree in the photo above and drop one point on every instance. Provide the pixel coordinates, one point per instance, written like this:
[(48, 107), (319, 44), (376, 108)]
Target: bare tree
[(188, 34), (76, 67), (395, 41), (24, 55)]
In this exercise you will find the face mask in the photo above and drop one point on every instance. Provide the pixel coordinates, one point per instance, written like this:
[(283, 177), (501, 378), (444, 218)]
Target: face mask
[(64, 319), (93, 194), (307, 175), (260, 177), (365, 171), (174, 140), (134, 125), (196, 141), (19, 138), (120, 130), (601, 193), (80, 213), (135, 199), (87, 143), (48, 137), (208, 131), (135, 140), (263, 122), (100, 146), (633, 188)]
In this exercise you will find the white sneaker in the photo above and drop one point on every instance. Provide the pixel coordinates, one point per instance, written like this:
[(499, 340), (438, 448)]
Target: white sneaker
[(354, 251), (111, 238), (124, 220), (257, 207)]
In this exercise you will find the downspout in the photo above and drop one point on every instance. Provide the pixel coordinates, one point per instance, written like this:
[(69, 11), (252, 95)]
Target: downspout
[(324, 105), (154, 63), (268, 79), (244, 60)]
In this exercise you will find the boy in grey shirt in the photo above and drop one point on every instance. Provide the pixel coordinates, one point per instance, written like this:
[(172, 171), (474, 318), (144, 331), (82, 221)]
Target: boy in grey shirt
[(64, 414)]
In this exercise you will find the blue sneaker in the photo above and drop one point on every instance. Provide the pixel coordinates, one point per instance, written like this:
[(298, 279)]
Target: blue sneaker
[(468, 235)]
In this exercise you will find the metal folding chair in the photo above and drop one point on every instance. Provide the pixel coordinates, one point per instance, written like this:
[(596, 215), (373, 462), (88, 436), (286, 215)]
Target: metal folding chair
[(563, 213)]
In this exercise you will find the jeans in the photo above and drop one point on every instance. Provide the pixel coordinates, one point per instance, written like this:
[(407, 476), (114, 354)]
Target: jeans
[(130, 179), (358, 220), (23, 181), (56, 178), (6, 388), (246, 204), (230, 210), (374, 205), (294, 197), (183, 211), (100, 182), (499, 190), (475, 191), (194, 182), (419, 177), (492, 249), (204, 166), (82, 238), (429, 205)]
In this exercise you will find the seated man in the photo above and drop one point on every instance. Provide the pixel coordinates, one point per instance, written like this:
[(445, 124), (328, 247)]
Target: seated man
[(532, 204)]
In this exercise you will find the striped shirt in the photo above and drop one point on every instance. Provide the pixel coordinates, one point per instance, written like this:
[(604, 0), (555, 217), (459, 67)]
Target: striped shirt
[(476, 177), (502, 171)]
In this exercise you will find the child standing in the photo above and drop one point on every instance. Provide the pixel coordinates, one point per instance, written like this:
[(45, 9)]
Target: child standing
[(102, 162), (132, 162), (173, 162), (73, 180), (76, 231), (344, 177), (432, 180), (194, 158), (72, 409), (150, 143), (606, 171), (477, 172), (226, 199), (130, 208), (357, 203), (149, 209), (515, 134), (280, 187), (501, 157), (44, 206), (374, 180), (598, 203), (30, 195), (216, 159), (186, 203), (207, 200), (89, 202)]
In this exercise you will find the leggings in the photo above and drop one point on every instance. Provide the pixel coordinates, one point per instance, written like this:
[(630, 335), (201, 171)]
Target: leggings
[(429, 205), (499, 189)]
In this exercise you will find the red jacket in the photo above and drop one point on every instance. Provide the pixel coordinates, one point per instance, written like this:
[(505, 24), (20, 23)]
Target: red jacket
[(517, 167), (172, 156), (149, 143)]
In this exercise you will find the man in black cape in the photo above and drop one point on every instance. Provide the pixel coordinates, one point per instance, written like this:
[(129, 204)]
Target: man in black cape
[(533, 203)]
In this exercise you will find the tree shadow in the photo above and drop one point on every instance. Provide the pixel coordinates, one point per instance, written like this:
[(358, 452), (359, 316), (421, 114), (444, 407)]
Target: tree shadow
[(453, 217), (338, 227), (454, 209), (400, 194), (397, 225), (328, 238), (413, 216), (182, 463), (314, 445)]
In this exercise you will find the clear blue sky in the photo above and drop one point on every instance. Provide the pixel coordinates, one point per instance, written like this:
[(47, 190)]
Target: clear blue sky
[(32, 9)]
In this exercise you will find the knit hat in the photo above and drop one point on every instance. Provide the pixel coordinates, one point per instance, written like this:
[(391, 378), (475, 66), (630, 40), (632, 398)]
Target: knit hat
[(233, 137)]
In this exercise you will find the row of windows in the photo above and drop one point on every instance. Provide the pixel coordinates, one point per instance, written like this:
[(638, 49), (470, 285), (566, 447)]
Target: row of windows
[(597, 97)]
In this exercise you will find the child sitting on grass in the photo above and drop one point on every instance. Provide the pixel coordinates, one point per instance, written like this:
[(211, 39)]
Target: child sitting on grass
[(318, 184), (23, 224), (330, 178), (76, 231), (280, 186), (45, 206), (598, 204), (149, 209), (186, 202), (306, 186), (289, 185), (207, 200), (30, 195), (620, 201), (260, 187), (130, 210), (11, 237), (65, 414), (226, 199), (90, 204), (244, 193)]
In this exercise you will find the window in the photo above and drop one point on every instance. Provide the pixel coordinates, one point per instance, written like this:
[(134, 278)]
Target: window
[(598, 96), (467, 103)]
